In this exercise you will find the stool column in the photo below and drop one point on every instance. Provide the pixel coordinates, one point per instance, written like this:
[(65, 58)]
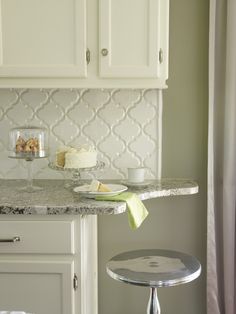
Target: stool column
[(153, 303)]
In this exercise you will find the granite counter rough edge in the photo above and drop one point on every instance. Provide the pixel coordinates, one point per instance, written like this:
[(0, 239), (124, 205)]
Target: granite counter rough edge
[(105, 209), (163, 188)]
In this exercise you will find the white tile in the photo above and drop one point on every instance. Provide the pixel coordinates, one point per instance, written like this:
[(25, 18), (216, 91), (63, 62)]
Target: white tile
[(128, 159), (20, 114), (50, 113), (112, 146), (34, 97), (121, 124), (126, 98), (5, 126), (96, 98), (150, 96), (127, 129), (81, 113), (7, 98), (96, 129), (143, 146), (143, 113), (65, 97), (111, 113), (65, 130)]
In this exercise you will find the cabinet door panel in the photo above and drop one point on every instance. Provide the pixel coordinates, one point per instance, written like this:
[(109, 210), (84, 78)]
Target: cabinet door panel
[(129, 30), (43, 38), (37, 287)]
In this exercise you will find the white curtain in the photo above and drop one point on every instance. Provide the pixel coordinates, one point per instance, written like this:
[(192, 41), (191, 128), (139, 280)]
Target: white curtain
[(221, 274)]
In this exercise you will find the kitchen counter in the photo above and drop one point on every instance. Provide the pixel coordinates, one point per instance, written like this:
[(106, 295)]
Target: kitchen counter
[(54, 199)]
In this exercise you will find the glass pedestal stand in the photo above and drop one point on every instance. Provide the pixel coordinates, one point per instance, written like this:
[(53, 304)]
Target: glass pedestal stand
[(75, 173), (29, 187), (29, 184)]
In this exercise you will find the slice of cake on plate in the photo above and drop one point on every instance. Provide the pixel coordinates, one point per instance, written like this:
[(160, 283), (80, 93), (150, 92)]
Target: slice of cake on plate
[(97, 186)]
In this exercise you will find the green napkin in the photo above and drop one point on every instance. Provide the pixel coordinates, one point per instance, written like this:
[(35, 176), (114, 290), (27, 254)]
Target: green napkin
[(137, 212)]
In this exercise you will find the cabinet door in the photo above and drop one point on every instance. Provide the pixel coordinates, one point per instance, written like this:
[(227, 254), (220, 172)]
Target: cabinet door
[(42, 38), (129, 38), (37, 287)]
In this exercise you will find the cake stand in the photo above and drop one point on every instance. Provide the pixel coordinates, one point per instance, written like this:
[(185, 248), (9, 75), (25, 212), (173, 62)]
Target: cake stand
[(76, 172)]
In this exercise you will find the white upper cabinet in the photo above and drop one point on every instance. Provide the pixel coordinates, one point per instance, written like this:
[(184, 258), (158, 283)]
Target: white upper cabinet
[(84, 43), (43, 38), (129, 38)]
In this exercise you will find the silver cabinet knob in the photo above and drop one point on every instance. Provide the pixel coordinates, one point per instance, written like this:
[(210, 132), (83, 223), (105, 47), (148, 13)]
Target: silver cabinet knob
[(104, 52)]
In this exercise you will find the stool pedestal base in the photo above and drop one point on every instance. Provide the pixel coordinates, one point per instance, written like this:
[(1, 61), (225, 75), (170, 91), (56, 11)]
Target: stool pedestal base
[(153, 303)]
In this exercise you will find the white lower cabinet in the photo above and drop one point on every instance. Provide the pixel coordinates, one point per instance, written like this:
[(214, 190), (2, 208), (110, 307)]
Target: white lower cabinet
[(40, 287), (41, 276)]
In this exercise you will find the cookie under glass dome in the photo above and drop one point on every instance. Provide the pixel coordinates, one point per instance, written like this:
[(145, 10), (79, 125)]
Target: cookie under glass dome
[(28, 142)]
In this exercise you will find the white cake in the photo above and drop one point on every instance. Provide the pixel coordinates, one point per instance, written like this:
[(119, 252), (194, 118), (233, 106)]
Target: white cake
[(83, 157)]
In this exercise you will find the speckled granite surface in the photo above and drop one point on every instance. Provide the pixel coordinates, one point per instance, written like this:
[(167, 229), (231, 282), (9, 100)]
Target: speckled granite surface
[(55, 199)]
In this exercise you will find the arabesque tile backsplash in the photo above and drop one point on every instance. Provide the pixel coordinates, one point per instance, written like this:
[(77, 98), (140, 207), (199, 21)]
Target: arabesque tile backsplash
[(121, 124)]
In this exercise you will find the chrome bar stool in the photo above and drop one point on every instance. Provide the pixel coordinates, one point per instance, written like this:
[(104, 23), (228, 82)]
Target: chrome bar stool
[(154, 268)]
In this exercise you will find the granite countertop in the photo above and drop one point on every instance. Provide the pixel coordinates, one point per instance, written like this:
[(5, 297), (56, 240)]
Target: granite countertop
[(56, 199)]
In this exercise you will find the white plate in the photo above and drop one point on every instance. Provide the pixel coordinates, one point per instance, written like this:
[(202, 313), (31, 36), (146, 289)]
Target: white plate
[(139, 184), (115, 189)]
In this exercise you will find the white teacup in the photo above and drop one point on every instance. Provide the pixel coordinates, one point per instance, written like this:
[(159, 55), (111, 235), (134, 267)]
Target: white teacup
[(136, 175)]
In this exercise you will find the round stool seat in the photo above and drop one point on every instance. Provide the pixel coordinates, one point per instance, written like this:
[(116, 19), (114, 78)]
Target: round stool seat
[(154, 268)]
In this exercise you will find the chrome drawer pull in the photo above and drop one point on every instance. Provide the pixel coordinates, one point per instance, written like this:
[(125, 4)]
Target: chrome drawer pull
[(12, 240)]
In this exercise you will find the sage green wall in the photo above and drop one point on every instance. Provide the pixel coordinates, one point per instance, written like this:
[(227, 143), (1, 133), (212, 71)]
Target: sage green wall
[(177, 223)]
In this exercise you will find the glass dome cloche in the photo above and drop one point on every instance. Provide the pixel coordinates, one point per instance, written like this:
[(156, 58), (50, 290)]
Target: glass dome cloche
[(28, 142)]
